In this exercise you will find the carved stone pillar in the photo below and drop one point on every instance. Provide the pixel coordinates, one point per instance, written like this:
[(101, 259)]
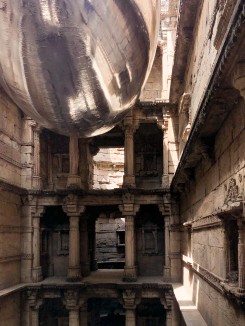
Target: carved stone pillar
[(34, 303), (27, 153), (238, 78), (129, 210), (36, 180), (84, 314), (94, 265), (71, 301), (167, 249), (130, 301), (73, 210), (37, 213), (166, 301), (241, 255), (85, 265), (129, 177), (165, 176), (164, 209), (130, 273), (74, 180)]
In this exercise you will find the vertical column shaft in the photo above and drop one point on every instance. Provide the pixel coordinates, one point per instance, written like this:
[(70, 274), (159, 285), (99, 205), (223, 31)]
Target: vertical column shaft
[(166, 232), (34, 317), (169, 318), (36, 268), (36, 158), (74, 317), (130, 268), (165, 177), (74, 272), (130, 317), (129, 178)]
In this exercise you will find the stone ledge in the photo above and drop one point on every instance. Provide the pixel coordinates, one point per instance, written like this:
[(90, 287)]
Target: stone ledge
[(188, 309), (12, 289)]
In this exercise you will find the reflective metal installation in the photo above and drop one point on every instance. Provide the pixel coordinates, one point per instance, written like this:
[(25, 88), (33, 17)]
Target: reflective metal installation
[(76, 66)]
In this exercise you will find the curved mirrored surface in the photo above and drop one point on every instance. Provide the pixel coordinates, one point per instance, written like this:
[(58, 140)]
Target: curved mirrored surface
[(76, 66)]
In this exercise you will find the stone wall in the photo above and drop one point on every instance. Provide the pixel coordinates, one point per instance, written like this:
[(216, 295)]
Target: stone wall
[(108, 168), (153, 86), (209, 201), (9, 239), (10, 310), (109, 248), (10, 141), (213, 22)]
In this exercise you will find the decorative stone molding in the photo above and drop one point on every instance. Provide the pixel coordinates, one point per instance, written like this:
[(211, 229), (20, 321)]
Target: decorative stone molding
[(10, 229), (238, 78), (165, 209), (226, 9), (185, 102), (232, 193), (206, 222), (8, 259)]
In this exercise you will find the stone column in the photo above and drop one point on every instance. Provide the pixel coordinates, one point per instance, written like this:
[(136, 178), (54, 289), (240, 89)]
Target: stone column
[(130, 273), (169, 318), (71, 301), (34, 303), (84, 314), (27, 153), (129, 177), (129, 210), (73, 210), (165, 176), (85, 265), (166, 236), (74, 270), (36, 266), (238, 78), (241, 255), (36, 179), (166, 301), (74, 180), (130, 301)]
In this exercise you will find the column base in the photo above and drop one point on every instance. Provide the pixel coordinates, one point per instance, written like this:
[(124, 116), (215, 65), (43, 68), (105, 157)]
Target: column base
[(165, 181), (166, 274), (130, 274), (37, 274), (74, 182), (129, 181), (74, 274)]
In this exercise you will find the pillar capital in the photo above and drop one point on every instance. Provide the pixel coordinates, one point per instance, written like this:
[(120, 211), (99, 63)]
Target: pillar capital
[(37, 211), (165, 209), (33, 299), (130, 299), (71, 206), (71, 299), (128, 206)]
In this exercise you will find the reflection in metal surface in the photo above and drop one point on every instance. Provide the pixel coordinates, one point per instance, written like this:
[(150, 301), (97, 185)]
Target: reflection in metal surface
[(76, 66)]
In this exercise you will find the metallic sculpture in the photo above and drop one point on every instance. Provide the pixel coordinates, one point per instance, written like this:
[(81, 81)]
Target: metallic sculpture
[(76, 66)]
